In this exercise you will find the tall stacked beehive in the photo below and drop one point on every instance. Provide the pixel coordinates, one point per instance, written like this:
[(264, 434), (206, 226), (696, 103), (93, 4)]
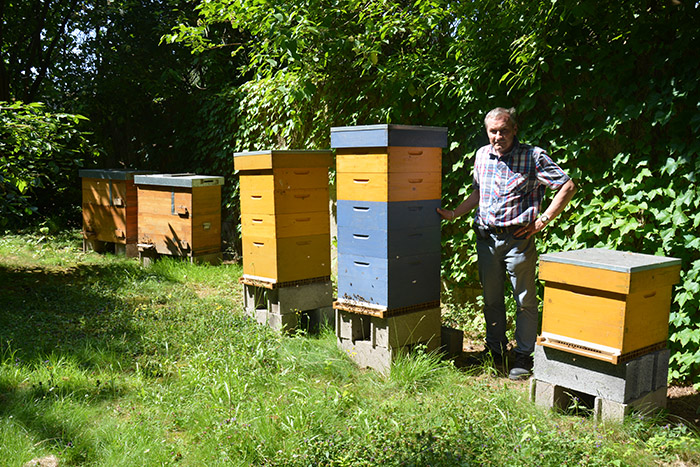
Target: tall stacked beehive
[(388, 188), (605, 319), (285, 225), (180, 215), (110, 209)]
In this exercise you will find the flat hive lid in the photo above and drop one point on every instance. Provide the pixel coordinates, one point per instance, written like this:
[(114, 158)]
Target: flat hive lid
[(281, 159), (613, 260), (179, 180), (112, 174), (367, 136)]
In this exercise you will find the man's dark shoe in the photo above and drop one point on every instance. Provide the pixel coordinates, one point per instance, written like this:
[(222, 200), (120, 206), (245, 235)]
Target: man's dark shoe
[(522, 367), (486, 356)]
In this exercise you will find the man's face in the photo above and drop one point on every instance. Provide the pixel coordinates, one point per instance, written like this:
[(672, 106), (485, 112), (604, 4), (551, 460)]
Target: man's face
[(501, 133)]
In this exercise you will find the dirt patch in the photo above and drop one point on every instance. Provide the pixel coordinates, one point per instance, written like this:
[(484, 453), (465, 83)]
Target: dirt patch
[(684, 403)]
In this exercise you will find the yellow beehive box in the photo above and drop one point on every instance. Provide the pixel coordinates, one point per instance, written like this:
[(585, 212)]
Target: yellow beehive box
[(389, 187), (180, 214), (285, 221), (287, 259), (389, 159), (606, 304)]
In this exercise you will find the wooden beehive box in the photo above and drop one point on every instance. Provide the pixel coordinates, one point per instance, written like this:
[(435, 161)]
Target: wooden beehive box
[(180, 215), (110, 207), (606, 304), (285, 220), (388, 186)]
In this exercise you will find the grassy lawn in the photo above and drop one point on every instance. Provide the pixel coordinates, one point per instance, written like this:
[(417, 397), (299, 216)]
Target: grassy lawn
[(106, 363)]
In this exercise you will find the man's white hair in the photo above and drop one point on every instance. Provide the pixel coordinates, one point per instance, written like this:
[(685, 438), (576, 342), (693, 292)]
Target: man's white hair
[(500, 112)]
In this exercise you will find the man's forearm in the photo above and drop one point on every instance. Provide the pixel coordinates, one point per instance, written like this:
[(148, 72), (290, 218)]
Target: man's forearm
[(467, 205), (561, 199)]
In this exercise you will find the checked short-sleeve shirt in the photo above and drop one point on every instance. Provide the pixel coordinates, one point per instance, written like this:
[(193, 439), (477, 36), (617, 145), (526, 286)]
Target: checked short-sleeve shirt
[(511, 187)]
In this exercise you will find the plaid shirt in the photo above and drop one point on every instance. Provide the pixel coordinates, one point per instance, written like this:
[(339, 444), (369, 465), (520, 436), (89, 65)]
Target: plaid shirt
[(511, 187)]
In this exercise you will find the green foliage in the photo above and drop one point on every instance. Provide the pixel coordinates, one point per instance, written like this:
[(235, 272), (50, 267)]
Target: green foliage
[(40, 153)]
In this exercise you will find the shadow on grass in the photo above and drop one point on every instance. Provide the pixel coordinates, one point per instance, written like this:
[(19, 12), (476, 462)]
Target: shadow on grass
[(66, 335)]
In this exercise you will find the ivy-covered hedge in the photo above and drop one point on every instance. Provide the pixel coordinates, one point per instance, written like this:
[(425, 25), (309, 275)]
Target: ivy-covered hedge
[(608, 87)]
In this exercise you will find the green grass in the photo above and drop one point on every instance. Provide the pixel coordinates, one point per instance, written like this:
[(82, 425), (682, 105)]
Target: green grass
[(106, 363)]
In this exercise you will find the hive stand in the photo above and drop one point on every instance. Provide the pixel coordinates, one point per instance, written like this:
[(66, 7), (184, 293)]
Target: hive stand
[(639, 383), (286, 306), (374, 342)]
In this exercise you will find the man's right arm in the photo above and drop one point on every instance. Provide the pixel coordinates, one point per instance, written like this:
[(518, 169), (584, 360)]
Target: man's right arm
[(467, 205)]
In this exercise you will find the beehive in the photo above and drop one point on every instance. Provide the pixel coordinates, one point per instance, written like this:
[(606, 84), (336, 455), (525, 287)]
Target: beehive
[(285, 221), (606, 304), (110, 208), (180, 215), (388, 186)]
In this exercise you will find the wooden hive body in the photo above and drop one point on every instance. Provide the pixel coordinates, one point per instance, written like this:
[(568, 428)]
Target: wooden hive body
[(605, 304), (285, 221), (388, 185), (180, 214), (109, 205)]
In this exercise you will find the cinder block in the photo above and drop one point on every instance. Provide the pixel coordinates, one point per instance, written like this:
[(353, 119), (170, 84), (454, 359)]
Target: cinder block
[(352, 326), (451, 341), (661, 369), (604, 409), (283, 322), (406, 329), (547, 395), (253, 299), (621, 383), (285, 308), (366, 355), (296, 298)]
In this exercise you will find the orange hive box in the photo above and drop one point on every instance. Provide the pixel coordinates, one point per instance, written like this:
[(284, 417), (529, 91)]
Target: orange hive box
[(180, 215), (110, 208)]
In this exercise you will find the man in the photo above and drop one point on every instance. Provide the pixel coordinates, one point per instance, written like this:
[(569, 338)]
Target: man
[(509, 184)]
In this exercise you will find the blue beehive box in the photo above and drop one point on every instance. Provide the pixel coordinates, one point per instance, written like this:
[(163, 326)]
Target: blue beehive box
[(389, 243), (379, 215), (389, 282), (383, 135)]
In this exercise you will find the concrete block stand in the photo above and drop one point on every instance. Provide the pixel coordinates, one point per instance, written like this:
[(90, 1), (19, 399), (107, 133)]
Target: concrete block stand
[(640, 383), (374, 342), (305, 306)]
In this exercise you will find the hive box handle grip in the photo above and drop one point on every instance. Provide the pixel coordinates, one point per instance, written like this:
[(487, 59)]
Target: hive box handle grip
[(415, 180), (415, 152)]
